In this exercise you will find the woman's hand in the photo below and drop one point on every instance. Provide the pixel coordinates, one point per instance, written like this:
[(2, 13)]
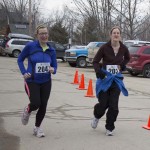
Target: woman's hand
[(51, 69), (27, 75)]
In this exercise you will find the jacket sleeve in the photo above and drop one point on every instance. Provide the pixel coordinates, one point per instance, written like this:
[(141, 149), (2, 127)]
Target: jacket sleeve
[(54, 61), (96, 64), (21, 58), (97, 59), (126, 59)]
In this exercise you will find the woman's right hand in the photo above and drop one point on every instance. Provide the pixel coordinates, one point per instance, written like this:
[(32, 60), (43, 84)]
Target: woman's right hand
[(27, 75)]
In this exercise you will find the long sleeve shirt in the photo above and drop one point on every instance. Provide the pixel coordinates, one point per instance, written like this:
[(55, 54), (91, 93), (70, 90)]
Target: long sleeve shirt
[(39, 62), (108, 57)]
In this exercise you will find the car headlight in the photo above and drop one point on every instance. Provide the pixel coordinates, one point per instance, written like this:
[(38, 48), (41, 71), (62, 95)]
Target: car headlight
[(72, 53)]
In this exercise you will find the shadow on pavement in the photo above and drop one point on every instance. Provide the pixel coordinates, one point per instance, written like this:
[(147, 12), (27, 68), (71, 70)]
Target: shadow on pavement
[(7, 141)]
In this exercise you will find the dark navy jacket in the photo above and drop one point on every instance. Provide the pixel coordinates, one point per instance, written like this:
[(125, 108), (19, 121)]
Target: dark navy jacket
[(34, 53)]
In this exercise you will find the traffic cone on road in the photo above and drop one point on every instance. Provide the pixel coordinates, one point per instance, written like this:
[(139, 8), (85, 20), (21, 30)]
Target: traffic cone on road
[(82, 84), (76, 80), (90, 90), (148, 125)]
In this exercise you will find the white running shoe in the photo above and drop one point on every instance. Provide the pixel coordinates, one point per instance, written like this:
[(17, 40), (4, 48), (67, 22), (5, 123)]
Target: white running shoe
[(109, 133), (25, 116), (94, 123), (37, 131)]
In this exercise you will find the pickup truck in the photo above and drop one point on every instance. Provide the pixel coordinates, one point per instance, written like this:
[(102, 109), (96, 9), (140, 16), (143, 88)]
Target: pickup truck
[(76, 56), (93, 47)]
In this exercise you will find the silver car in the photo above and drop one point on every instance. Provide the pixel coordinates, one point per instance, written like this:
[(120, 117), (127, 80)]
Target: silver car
[(15, 46)]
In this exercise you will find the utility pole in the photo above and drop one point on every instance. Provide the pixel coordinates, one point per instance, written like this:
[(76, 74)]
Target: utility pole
[(30, 18)]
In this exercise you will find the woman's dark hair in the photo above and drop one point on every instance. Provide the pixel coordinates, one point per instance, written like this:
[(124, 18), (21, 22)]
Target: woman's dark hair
[(115, 27)]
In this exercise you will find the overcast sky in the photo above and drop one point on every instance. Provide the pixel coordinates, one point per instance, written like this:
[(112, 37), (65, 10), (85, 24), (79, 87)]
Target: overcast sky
[(50, 5), (47, 6)]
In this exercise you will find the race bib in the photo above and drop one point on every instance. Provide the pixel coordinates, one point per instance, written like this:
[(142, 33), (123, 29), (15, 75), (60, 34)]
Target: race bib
[(42, 67), (113, 69)]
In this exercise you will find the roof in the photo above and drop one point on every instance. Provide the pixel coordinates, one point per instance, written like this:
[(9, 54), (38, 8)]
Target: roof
[(17, 35), (19, 28)]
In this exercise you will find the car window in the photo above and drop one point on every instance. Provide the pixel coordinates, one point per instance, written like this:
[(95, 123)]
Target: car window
[(133, 49), (128, 44), (92, 45), (59, 46), (1, 42), (16, 42), (51, 44), (77, 47), (99, 44), (146, 51)]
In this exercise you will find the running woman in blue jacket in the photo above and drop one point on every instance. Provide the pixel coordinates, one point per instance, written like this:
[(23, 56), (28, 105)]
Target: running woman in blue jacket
[(37, 76)]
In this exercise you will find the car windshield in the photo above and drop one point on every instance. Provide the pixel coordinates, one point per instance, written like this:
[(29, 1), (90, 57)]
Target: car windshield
[(128, 44), (77, 47), (92, 45), (133, 49)]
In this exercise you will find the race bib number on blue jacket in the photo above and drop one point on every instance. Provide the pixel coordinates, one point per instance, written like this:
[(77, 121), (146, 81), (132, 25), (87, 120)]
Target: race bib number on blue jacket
[(42, 67)]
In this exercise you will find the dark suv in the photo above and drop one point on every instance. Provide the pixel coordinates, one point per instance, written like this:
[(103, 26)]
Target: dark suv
[(140, 60), (60, 49)]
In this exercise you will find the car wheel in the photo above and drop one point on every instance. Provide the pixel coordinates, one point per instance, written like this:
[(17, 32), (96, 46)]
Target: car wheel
[(16, 53), (72, 64), (133, 73), (146, 71), (81, 62)]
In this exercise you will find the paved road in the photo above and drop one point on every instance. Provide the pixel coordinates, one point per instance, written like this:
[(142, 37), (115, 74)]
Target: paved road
[(69, 113)]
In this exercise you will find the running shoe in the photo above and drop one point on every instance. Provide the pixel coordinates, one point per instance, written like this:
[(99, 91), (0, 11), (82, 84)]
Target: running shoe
[(94, 123), (109, 133), (25, 116), (37, 131)]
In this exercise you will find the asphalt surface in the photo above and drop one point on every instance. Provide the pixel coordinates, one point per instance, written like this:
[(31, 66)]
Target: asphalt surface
[(69, 113)]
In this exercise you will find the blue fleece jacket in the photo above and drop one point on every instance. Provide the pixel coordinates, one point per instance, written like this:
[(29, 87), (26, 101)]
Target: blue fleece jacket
[(103, 85), (35, 54)]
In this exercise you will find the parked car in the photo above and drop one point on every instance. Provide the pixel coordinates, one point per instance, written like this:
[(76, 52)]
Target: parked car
[(14, 46), (76, 56), (60, 49), (129, 43), (20, 36), (140, 60), (93, 47)]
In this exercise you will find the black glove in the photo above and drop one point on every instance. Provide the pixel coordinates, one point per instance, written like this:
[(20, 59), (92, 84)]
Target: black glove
[(100, 74), (123, 67)]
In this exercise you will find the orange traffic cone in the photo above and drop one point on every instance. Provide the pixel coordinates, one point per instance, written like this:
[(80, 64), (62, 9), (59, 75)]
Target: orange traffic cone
[(90, 90), (76, 80), (148, 125), (82, 84)]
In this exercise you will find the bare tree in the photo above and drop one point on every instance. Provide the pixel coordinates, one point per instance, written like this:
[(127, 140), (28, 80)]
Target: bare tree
[(131, 17), (125, 13)]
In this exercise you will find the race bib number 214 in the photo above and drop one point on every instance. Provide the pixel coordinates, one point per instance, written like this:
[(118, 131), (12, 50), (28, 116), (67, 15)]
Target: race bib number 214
[(42, 67)]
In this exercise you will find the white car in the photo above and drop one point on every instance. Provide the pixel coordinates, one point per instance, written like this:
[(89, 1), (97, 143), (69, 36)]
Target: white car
[(129, 43), (15, 46)]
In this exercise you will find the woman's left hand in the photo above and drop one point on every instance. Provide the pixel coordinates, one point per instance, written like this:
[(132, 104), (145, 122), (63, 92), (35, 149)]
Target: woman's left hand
[(51, 69)]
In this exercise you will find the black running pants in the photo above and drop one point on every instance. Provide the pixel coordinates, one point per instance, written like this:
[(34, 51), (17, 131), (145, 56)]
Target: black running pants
[(108, 100), (38, 96)]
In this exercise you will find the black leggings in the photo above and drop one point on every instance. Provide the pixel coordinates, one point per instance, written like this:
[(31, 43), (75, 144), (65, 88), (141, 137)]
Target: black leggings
[(38, 96), (108, 100)]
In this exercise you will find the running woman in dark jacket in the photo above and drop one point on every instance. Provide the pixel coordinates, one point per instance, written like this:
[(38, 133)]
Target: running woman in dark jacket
[(114, 56), (41, 64)]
